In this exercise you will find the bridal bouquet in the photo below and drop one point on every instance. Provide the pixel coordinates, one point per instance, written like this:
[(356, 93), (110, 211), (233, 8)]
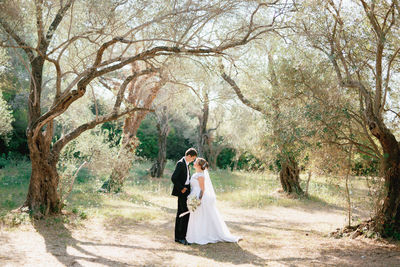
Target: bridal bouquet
[(192, 202)]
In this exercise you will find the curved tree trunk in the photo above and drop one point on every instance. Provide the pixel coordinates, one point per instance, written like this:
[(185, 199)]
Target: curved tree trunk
[(158, 167), (388, 217), (42, 197), (289, 177)]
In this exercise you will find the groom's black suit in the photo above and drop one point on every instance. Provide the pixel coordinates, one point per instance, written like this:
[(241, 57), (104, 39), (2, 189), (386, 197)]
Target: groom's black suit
[(179, 178)]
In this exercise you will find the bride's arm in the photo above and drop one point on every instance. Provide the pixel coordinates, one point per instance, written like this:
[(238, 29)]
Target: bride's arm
[(201, 183)]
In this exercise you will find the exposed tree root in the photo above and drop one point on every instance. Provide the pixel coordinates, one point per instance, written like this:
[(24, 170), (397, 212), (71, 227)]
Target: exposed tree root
[(364, 229)]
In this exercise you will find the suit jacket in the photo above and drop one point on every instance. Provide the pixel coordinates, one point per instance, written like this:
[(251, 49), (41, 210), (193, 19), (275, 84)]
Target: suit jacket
[(179, 177)]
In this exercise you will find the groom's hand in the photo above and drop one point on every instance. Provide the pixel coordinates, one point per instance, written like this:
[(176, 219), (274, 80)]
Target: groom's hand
[(184, 190)]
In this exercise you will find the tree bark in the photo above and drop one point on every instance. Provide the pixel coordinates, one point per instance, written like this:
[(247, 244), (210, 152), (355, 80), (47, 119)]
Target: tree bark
[(158, 167), (289, 177), (42, 197), (388, 217)]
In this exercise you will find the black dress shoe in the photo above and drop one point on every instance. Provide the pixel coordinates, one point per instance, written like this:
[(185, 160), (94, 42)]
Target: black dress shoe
[(182, 241)]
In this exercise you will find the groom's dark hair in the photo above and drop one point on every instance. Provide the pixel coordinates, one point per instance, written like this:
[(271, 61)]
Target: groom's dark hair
[(191, 152)]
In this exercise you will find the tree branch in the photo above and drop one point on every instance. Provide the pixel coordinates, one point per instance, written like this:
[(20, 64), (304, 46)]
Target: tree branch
[(123, 86), (28, 49), (388, 77), (239, 93), (90, 125), (57, 20)]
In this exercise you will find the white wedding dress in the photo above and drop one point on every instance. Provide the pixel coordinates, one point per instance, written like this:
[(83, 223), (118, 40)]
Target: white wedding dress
[(205, 223)]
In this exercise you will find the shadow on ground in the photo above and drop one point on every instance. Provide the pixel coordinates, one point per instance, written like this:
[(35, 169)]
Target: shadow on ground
[(57, 238), (348, 255)]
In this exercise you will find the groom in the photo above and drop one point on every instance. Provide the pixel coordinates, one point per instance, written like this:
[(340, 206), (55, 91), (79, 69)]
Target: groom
[(180, 178)]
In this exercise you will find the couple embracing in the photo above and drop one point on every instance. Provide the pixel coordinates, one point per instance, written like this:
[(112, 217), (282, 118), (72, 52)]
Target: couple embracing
[(203, 225)]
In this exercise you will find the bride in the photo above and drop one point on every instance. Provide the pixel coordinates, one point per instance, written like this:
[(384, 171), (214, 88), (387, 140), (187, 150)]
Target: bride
[(205, 223)]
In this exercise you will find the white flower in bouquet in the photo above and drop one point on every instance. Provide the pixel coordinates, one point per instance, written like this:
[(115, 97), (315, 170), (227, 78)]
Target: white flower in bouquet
[(192, 203)]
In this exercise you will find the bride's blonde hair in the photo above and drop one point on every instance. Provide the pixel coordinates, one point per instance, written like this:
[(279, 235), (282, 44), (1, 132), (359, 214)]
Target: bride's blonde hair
[(203, 163)]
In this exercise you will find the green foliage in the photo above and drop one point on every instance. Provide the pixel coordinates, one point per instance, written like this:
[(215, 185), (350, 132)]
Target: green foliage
[(15, 170), (225, 158), (391, 230), (148, 137), (114, 130), (94, 152), (14, 81), (365, 165), (247, 161), (6, 119), (147, 134), (177, 143)]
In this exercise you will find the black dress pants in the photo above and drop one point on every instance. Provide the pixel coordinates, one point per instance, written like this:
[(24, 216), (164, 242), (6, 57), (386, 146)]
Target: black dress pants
[(181, 223)]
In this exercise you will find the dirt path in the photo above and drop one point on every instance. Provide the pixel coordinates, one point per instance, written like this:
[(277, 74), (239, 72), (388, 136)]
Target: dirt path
[(274, 236)]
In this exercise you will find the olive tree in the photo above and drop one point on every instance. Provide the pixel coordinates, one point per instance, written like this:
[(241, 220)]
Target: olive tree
[(360, 41)]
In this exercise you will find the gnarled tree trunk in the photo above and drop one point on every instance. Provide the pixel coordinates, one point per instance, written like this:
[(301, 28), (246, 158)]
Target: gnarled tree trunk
[(289, 177), (42, 197), (373, 82), (388, 217), (289, 174)]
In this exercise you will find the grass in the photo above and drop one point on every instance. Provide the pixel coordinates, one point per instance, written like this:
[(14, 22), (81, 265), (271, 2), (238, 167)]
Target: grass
[(14, 182), (143, 197)]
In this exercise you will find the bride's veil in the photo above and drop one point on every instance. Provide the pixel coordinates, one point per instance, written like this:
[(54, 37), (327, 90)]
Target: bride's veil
[(208, 187)]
